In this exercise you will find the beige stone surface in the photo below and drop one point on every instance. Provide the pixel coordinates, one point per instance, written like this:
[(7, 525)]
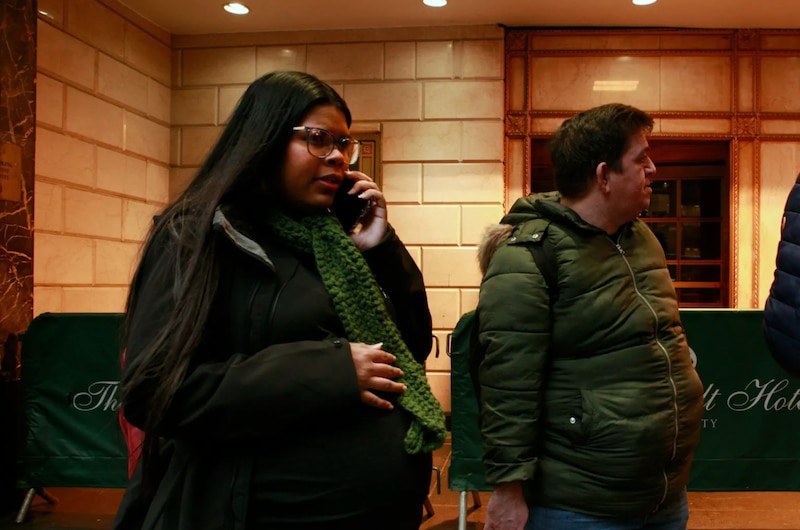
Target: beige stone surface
[(400, 60), (147, 54), (469, 300), (272, 58), (567, 83), (62, 260), (194, 106), (450, 267), (421, 141), (696, 83), (482, 140), (444, 304), (47, 300), (179, 178), (779, 168), (228, 99), (81, 117), (48, 210), (475, 218), (120, 173), (137, 218), (463, 99), (462, 183), (777, 74), (196, 142), (52, 11), (595, 42), (385, 101), (158, 100), (115, 261), (353, 62), (49, 101), (64, 55), (97, 25), (482, 59), (157, 177), (695, 126), (120, 82), (92, 214), (64, 158), (435, 59), (146, 137), (222, 66), (745, 86), (771, 126), (402, 183), (428, 224), (440, 386), (94, 299)]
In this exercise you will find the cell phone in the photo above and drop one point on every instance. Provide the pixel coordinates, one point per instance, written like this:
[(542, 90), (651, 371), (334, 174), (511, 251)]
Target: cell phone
[(349, 209)]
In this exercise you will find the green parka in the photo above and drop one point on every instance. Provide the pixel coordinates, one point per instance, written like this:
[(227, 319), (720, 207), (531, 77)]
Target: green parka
[(594, 403)]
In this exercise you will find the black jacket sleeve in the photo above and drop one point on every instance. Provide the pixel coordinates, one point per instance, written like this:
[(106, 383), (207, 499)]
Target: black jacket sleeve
[(401, 281)]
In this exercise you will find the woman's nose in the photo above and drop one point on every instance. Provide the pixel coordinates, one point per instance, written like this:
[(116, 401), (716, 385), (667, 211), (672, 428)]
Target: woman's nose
[(336, 158)]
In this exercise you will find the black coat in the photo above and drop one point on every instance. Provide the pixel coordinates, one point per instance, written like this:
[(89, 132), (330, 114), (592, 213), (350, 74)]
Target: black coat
[(241, 391), (782, 310)]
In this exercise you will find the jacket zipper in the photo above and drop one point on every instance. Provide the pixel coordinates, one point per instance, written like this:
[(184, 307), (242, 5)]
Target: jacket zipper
[(669, 366)]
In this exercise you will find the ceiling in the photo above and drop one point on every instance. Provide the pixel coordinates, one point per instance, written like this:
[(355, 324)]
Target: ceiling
[(186, 17)]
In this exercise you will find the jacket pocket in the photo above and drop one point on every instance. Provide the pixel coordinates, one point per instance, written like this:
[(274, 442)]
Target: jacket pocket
[(573, 418)]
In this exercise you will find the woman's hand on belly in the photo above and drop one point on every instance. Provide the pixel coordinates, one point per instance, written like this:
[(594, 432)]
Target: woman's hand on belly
[(376, 373)]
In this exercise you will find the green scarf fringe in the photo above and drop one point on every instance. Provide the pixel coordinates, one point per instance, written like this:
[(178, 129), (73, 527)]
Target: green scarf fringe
[(359, 304)]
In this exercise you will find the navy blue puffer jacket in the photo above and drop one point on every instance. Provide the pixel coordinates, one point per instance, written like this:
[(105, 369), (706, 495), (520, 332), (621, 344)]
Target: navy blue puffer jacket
[(782, 312)]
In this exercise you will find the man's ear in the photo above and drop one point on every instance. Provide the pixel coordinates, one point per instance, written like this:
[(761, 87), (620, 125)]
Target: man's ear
[(601, 176)]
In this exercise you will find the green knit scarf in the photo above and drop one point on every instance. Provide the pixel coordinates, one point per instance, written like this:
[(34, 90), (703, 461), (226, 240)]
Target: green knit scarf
[(359, 304)]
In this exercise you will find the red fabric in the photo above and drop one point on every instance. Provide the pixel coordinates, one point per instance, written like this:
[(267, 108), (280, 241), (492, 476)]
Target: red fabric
[(133, 437)]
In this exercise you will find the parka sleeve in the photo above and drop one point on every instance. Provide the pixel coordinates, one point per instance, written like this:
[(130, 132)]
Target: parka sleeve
[(401, 280), (228, 396), (514, 331)]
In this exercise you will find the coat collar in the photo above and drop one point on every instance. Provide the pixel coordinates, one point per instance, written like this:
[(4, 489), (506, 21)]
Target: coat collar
[(237, 234)]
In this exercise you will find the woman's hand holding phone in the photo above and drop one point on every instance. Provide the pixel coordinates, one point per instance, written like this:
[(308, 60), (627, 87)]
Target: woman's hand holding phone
[(374, 220)]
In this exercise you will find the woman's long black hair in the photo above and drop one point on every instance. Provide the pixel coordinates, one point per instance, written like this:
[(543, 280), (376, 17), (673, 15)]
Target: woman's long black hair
[(246, 160)]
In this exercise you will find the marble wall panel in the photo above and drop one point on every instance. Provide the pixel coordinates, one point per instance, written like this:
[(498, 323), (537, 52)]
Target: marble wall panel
[(17, 148), (778, 79), (579, 83), (780, 163), (700, 83)]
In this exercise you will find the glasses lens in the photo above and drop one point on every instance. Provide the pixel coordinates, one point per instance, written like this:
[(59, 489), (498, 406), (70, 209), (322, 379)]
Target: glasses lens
[(320, 142), (350, 148)]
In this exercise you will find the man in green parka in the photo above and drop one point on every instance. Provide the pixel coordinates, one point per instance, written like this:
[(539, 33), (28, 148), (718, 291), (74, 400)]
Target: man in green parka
[(590, 405)]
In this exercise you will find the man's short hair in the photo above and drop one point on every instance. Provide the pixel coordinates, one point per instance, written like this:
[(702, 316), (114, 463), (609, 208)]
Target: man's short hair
[(600, 134)]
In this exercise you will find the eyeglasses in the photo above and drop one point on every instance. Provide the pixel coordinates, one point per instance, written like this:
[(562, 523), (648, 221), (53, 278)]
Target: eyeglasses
[(320, 143)]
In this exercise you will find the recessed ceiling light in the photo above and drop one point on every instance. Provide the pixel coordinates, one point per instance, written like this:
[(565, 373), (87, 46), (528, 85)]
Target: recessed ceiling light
[(643, 2), (615, 86), (435, 3), (236, 8)]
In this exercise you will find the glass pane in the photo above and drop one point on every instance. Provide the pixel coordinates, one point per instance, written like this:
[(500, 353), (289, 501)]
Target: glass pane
[(699, 273), (700, 198), (672, 271), (667, 235), (700, 240), (662, 202), (699, 296)]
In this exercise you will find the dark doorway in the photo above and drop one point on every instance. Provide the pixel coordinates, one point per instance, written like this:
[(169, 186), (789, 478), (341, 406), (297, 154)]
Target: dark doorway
[(689, 213)]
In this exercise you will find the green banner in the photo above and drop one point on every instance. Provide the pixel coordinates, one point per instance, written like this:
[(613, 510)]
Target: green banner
[(751, 424), (70, 371)]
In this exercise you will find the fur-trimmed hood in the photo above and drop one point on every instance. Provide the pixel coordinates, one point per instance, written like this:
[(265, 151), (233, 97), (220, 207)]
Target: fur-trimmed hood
[(524, 209), (494, 235)]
